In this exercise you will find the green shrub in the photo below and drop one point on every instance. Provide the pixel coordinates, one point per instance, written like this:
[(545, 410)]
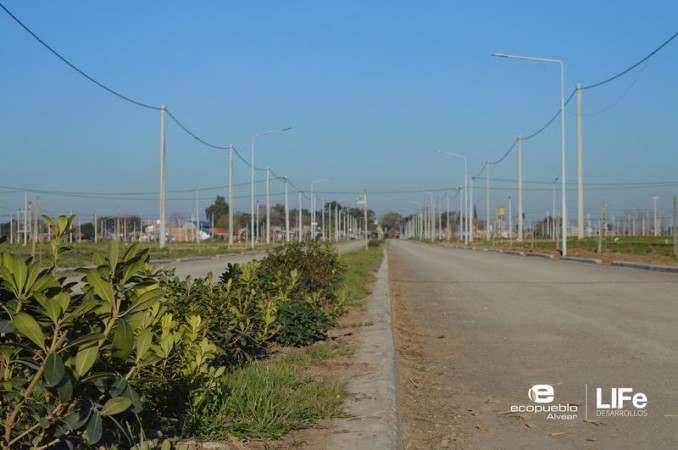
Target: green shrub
[(302, 323), (67, 359), (317, 264)]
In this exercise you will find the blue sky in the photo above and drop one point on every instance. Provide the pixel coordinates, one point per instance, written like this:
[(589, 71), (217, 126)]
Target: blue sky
[(371, 89)]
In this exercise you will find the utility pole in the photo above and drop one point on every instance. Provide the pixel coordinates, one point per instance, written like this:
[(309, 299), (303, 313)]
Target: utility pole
[(367, 237), (471, 213), (322, 221), (602, 227), (268, 205), (656, 229), (25, 227), (461, 210), (487, 203), (96, 228), (580, 170), (300, 224), (675, 226), (520, 189), (36, 226), (230, 195), (510, 223), (449, 229), (197, 220), (287, 213), (161, 238)]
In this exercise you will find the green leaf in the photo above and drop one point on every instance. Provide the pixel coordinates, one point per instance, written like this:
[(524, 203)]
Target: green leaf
[(20, 274), (54, 369), (62, 225), (50, 306), (99, 376), (65, 387), (44, 282), (118, 387), (130, 269), (6, 327), (87, 339), (131, 252), (144, 341), (27, 326), (131, 394), (115, 406), (113, 254), (94, 428), (83, 308), (123, 340), (146, 300), (77, 419), (33, 272), (44, 423), (85, 359), (101, 287), (99, 260)]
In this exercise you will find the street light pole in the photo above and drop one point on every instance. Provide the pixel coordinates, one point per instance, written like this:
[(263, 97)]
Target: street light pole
[(562, 134), (287, 213), (268, 205), (488, 224), (520, 189), (254, 137), (313, 206), (554, 231), (656, 230), (161, 237), (468, 213)]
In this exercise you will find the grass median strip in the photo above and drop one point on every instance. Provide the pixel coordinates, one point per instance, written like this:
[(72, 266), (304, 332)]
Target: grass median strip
[(294, 388)]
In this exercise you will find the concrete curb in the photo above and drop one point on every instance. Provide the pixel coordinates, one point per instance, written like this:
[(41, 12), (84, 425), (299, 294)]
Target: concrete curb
[(654, 267), (581, 260), (373, 395), (540, 255)]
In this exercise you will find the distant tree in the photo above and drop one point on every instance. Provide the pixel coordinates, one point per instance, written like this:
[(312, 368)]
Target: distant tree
[(218, 211), (87, 231), (391, 221)]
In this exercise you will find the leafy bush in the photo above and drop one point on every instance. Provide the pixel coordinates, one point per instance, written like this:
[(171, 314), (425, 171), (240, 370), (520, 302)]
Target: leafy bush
[(302, 323), (240, 312), (317, 265), (67, 360), (134, 347)]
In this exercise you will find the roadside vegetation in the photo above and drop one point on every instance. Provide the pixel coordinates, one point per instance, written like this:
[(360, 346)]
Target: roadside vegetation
[(651, 247), (136, 355), (82, 253)]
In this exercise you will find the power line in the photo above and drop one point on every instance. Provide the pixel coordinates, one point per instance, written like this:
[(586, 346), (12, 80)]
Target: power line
[(193, 135), (73, 66), (624, 72), (620, 74)]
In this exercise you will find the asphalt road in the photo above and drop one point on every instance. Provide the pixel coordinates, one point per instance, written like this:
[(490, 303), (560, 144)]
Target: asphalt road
[(199, 267), (488, 327)]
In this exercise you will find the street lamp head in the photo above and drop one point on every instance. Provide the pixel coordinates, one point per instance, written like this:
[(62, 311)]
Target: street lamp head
[(500, 55)]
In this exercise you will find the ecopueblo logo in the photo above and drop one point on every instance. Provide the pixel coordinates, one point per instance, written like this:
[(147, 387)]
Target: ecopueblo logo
[(542, 397)]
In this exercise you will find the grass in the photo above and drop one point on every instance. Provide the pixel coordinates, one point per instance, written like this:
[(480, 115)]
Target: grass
[(361, 272), (267, 399), (81, 253), (634, 245)]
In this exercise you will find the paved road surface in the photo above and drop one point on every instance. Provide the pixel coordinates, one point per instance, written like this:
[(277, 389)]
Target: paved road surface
[(477, 330), (200, 267)]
